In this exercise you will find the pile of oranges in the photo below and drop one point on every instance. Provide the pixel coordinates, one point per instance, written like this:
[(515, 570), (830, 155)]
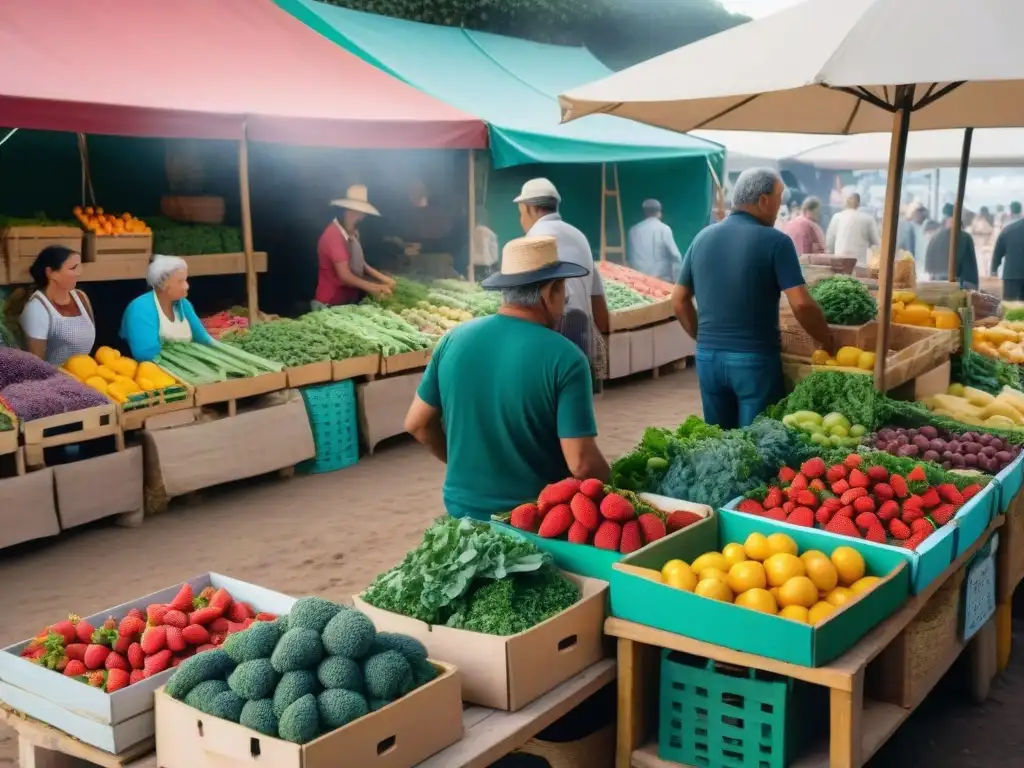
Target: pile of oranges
[(99, 223)]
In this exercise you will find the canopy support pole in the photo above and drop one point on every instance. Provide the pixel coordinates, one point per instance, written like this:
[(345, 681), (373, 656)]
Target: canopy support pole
[(471, 273), (958, 206), (250, 265), (893, 192)]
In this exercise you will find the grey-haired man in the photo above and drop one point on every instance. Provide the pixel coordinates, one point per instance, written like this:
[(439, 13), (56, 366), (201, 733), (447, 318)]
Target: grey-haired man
[(652, 247)]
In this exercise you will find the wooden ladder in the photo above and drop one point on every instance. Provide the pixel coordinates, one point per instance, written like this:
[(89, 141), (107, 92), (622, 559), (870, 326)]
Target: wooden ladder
[(607, 192)]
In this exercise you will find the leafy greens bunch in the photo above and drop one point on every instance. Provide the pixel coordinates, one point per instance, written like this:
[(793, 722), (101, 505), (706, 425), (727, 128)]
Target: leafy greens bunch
[(845, 301)]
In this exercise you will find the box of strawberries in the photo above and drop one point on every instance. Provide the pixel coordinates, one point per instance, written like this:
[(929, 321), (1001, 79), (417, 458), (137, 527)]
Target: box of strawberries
[(93, 677)]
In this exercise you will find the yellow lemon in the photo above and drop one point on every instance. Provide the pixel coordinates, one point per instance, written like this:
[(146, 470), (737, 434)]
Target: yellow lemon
[(774, 593), (782, 567), (681, 578), (812, 553), (734, 553), (849, 563), (672, 565), (794, 613), (714, 589), (839, 596), (710, 560), (819, 612), (758, 600), (780, 542), (821, 571), (865, 584), (746, 575), (798, 591), (756, 547), (714, 573)]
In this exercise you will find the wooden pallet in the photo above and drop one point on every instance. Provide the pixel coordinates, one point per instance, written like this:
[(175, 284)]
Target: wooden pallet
[(70, 428), (43, 746)]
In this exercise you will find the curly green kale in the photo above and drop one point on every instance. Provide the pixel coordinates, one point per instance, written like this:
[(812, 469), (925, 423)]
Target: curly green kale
[(513, 605), (845, 301), (713, 471), (850, 394)]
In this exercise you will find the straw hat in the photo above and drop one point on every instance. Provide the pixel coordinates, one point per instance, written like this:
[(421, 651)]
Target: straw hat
[(356, 199), (531, 260)]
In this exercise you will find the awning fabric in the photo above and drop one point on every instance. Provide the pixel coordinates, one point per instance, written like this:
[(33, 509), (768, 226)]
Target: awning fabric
[(512, 84), (206, 69)]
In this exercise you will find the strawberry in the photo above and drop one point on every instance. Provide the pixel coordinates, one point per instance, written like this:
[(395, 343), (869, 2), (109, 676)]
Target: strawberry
[(630, 541), (97, 678), (843, 526), (136, 656), (788, 507), (65, 629), (970, 492), (175, 640), (875, 533), (910, 514), (555, 522), (157, 663), (118, 679), (219, 625), (155, 614), (835, 473), (917, 475), (137, 613), (942, 514), (883, 492), (556, 493), (608, 535), (681, 519), (858, 479), (205, 616), (216, 638), (130, 626), (807, 499), (865, 520), (175, 618), (877, 474), (75, 668), (852, 495), (792, 492), (154, 639), (238, 612), (930, 499), (923, 526), (778, 513), (832, 503), (816, 485), (813, 468), (799, 482), (773, 498), (888, 510), (617, 508), (839, 487), (914, 541), (585, 511), (750, 507), (950, 494), (183, 600), (853, 460), (786, 475), (115, 660), (899, 486), (898, 529), (846, 511), (122, 644), (249, 622), (913, 502), (802, 516), (524, 517), (95, 655), (76, 651), (593, 489), (824, 514), (137, 676), (652, 527), (578, 534), (864, 504), (221, 599), (84, 630)]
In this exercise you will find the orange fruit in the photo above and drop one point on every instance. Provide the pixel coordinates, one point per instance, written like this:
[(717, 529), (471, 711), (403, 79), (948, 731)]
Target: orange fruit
[(680, 578), (865, 584), (821, 571), (839, 596), (710, 560), (780, 542), (799, 590), (715, 590), (756, 547), (758, 600), (89, 210), (747, 575), (781, 567), (734, 553), (849, 564), (99, 211), (819, 612), (794, 613)]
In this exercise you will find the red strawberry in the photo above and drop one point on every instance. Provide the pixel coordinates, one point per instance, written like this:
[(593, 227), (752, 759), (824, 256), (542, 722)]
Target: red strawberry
[(816, 484), (942, 514), (136, 656), (239, 612), (773, 498), (846, 511), (130, 626), (66, 629), (802, 516), (617, 508), (578, 534), (883, 492), (786, 475), (914, 541), (858, 479), (195, 634), (592, 488), (176, 618), (888, 510), (157, 663), (813, 468), (930, 499), (843, 526), (117, 679), (832, 503), (865, 520), (555, 522), (807, 499), (913, 502), (839, 487), (875, 533), (219, 625), (835, 473), (84, 630), (863, 503), (799, 483), (557, 493), (524, 517), (788, 507), (917, 475), (970, 492), (205, 616), (115, 660), (122, 644), (75, 668), (95, 655), (608, 535), (221, 599), (154, 639), (265, 616), (249, 622), (175, 640), (852, 495), (216, 638), (76, 651), (630, 540), (206, 647), (777, 513), (923, 526), (652, 527), (183, 600), (824, 514), (137, 613), (792, 492), (585, 511), (949, 493), (877, 474), (137, 676), (155, 614), (681, 519), (910, 514), (853, 460), (899, 486), (898, 529), (750, 507)]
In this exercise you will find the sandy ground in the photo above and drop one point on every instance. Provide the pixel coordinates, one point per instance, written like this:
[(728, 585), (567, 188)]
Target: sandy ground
[(331, 534)]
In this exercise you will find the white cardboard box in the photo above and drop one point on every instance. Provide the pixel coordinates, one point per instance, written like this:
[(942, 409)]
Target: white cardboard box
[(99, 487), (116, 721), (618, 355), (641, 350), (672, 343), (27, 509)]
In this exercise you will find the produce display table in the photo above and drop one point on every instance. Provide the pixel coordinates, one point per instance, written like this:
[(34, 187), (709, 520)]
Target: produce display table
[(858, 726), (42, 746)]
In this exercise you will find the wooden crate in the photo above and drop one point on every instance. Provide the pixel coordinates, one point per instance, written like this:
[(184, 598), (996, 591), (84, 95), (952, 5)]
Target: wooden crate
[(233, 390), (144, 405), (796, 341), (70, 428), (407, 361), (21, 245), (312, 373), (131, 247), (637, 317), (353, 367), (223, 263)]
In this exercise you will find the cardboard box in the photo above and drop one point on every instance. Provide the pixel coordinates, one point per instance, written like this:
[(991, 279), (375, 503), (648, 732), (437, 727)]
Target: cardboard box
[(618, 355), (116, 721), (641, 350), (100, 487), (671, 343), (637, 317), (367, 365), (235, 389), (407, 361), (509, 672), (186, 458), (304, 375), (383, 405), (27, 508)]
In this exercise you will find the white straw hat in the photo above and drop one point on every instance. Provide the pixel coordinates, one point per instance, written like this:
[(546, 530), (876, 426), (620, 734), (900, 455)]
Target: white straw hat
[(356, 199), (530, 260), (537, 189)]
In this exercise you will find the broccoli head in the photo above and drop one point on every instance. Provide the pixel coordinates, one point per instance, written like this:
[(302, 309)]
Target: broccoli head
[(254, 679), (202, 695), (300, 722), (340, 672), (409, 647), (388, 675), (281, 622), (422, 672), (209, 665), (338, 707), (292, 687), (227, 706), (376, 704), (312, 613), (259, 715), (256, 642), (298, 648), (350, 633)]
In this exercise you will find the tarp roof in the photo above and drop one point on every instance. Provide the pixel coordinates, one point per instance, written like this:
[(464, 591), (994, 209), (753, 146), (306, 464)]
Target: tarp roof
[(512, 84), (202, 69)]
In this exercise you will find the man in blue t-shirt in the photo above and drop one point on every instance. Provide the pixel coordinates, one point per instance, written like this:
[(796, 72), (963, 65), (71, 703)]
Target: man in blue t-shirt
[(737, 270)]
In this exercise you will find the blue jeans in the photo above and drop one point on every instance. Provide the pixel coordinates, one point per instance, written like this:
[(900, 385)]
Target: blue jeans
[(736, 387)]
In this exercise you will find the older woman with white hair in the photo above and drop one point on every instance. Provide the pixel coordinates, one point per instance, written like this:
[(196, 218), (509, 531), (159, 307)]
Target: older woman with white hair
[(163, 314)]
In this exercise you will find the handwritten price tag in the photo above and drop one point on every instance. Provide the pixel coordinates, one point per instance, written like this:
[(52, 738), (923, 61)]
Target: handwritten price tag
[(979, 592)]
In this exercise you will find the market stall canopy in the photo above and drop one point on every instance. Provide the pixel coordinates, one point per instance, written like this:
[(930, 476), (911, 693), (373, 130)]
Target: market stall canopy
[(829, 67), (990, 148), (748, 149), (512, 84), (200, 69)]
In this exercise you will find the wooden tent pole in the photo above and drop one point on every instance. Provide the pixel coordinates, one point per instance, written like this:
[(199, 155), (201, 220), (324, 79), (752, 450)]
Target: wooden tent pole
[(893, 190), (604, 212), (250, 265), (472, 214), (958, 206)]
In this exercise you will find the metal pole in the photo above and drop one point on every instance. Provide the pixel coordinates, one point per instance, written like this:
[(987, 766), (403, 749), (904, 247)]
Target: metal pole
[(958, 206)]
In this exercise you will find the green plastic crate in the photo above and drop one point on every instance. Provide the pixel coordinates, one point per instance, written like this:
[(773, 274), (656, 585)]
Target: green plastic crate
[(333, 420)]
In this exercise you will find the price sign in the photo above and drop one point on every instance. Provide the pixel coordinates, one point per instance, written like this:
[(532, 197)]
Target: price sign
[(979, 591)]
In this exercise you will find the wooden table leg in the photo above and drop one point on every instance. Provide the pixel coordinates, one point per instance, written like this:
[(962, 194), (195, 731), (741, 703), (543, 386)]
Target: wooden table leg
[(638, 685), (1004, 634), (845, 736), (982, 661)]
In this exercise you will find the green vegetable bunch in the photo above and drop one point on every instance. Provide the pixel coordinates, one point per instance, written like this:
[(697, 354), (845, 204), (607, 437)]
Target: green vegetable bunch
[(985, 373), (200, 364), (406, 294), (289, 342), (621, 297), (850, 394), (180, 239), (368, 325), (845, 301)]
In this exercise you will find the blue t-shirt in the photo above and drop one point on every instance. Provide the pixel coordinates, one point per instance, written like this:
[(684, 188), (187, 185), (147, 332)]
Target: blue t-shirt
[(737, 270)]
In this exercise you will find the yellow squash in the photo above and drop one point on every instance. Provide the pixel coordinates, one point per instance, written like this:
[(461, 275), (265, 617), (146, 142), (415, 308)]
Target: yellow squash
[(82, 366), (105, 354), (95, 382), (848, 356), (108, 374), (124, 366)]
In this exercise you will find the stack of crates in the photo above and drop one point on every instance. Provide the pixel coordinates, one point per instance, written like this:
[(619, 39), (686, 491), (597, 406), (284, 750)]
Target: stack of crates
[(333, 418)]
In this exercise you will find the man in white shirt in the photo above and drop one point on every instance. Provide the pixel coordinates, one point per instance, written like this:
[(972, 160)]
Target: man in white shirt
[(652, 248), (852, 232)]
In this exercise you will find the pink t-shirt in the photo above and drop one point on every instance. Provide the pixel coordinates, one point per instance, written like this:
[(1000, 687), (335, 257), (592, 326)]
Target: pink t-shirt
[(331, 249), (806, 234)]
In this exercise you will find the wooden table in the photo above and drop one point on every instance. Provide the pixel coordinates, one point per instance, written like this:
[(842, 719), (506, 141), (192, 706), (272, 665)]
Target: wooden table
[(42, 746), (858, 726)]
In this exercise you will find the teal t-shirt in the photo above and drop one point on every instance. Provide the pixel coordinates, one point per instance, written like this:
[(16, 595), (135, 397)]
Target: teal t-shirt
[(508, 390)]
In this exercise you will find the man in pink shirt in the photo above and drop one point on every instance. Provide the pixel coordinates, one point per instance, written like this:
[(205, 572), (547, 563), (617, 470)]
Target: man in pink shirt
[(804, 229)]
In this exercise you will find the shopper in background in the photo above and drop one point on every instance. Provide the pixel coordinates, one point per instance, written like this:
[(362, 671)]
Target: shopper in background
[(936, 262), (852, 232), (485, 245), (805, 229), (58, 320), (652, 247), (1009, 253), (910, 229), (737, 270)]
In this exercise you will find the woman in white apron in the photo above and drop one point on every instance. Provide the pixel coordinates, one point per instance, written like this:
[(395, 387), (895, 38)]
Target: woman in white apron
[(57, 319)]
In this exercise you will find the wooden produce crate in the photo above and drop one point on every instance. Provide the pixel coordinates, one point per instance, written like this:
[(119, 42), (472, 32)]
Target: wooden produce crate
[(143, 405), (129, 247), (70, 428), (637, 317), (233, 390), (407, 361), (796, 341), (367, 365), (223, 263), (311, 373), (21, 244)]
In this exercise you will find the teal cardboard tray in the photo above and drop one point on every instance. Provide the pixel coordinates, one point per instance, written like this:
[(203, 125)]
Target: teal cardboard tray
[(1010, 481), (644, 601), (927, 562), (973, 518)]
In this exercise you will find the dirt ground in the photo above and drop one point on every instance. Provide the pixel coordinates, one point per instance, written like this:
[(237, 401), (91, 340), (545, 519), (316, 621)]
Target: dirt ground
[(331, 534)]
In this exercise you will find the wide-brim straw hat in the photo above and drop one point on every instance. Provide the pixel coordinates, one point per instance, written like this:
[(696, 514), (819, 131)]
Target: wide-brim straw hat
[(531, 260), (356, 199)]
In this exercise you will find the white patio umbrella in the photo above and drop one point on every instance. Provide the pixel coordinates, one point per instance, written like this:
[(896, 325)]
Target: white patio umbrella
[(855, 66)]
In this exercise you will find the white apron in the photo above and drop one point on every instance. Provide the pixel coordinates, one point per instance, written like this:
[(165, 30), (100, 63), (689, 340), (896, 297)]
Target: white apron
[(177, 329)]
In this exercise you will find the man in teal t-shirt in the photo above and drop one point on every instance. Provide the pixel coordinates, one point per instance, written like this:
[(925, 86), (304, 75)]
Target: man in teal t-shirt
[(506, 401)]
